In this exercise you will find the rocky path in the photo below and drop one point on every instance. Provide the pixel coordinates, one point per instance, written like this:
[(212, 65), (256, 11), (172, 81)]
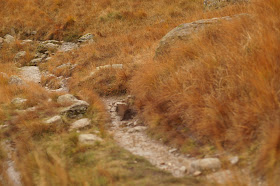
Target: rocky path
[(131, 135)]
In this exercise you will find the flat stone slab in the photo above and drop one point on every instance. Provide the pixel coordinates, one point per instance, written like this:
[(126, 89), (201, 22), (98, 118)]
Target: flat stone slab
[(79, 124), (31, 74), (89, 138)]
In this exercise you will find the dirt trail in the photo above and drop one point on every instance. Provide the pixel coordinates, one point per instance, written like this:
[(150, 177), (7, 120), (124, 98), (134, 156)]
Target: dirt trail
[(11, 172), (134, 139)]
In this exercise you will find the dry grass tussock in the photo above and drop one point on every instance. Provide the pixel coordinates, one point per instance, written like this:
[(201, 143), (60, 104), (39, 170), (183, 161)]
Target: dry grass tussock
[(221, 88)]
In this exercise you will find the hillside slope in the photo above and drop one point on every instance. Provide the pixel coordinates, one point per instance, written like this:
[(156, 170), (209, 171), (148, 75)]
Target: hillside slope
[(208, 88)]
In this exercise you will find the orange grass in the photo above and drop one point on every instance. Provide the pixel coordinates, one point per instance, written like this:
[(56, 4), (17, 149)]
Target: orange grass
[(220, 88)]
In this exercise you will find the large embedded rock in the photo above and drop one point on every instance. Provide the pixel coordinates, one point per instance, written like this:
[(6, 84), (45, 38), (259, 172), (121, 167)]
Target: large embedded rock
[(89, 138), (206, 164), (185, 32), (76, 110), (31, 74), (67, 98), (80, 124)]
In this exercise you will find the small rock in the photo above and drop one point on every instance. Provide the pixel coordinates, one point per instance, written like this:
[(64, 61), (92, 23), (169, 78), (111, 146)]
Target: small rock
[(112, 109), (86, 38), (103, 67), (183, 169), (117, 66), (27, 41), (9, 39), (173, 150), (36, 61), (55, 119), (67, 98), (38, 55), (34, 32), (1, 42), (76, 110), (4, 75), (234, 160), (3, 126), (51, 46), (206, 164), (81, 123), (89, 138), (42, 48), (31, 109), (48, 58), (96, 132), (197, 173), (137, 129), (122, 109), (19, 102), (52, 42), (67, 46), (15, 80), (19, 55)]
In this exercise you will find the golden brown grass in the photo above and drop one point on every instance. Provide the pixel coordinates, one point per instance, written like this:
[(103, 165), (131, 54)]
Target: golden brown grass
[(220, 88)]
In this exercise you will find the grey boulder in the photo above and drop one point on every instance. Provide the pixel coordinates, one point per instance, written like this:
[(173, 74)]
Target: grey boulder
[(76, 110)]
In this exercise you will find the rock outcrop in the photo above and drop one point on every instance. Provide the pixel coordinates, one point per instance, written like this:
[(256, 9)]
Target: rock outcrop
[(185, 32)]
